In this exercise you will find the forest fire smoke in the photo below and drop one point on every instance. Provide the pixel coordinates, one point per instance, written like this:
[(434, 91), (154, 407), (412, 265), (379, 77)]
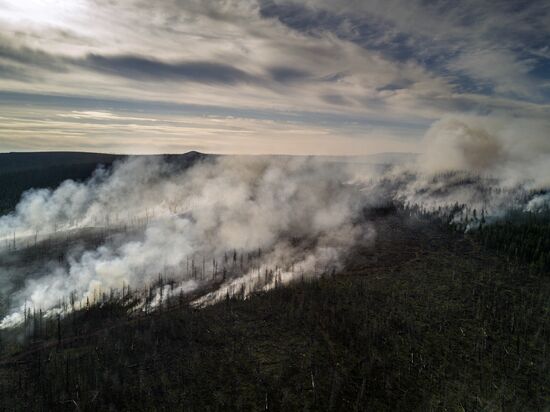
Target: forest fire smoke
[(273, 213), (223, 225)]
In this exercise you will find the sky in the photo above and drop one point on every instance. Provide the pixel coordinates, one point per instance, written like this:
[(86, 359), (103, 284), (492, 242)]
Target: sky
[(266, 76)]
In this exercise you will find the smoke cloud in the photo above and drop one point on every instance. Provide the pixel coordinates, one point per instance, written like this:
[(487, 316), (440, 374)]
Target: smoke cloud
[(514, 151), (262, 220), (227, 225), (486, 163)]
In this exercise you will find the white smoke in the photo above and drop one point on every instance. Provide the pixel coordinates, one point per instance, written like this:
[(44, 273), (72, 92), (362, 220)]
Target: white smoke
[(297, 215), (487, 163), (514, 151), (283, 217)]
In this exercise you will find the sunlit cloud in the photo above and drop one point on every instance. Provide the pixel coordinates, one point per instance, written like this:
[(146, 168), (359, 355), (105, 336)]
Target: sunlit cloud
[(355, 72)]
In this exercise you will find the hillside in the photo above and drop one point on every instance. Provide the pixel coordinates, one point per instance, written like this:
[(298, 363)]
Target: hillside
[(422, 314), (426, 319)]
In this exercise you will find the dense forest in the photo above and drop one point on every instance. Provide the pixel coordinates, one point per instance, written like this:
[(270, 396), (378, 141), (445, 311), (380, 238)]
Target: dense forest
[(430, 317), (520, 235)]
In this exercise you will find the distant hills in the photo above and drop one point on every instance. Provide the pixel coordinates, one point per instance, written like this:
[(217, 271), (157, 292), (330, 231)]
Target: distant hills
[(390, 158), (20, 171), (19, 161), (24, 161)]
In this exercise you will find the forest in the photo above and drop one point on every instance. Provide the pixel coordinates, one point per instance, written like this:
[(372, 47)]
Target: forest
[(431, 317)]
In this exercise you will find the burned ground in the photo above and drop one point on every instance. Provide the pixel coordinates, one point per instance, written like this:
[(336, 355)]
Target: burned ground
[(424, 319)]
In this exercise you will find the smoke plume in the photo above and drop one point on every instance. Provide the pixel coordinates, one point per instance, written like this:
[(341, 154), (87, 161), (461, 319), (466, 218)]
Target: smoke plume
[(514, 151), (261, 220), (234, 225)]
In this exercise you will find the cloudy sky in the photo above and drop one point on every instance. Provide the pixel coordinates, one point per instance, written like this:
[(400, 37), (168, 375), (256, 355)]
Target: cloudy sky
[(264, 76)]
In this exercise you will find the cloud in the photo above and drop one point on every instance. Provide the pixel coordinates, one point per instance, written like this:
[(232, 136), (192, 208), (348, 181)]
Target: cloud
[(287, 74), (29, 57), (13, 72), (482, 39), (101, 115), (326, 63), (150, 69), (180, 128), (501, 69)]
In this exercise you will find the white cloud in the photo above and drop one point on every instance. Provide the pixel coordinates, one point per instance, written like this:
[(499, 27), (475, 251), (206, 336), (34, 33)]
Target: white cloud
[(341, 76), (500, 68)]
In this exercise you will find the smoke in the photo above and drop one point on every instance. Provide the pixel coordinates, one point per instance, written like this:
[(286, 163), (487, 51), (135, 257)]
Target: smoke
[(234, 225), (224, 218), (491, 164), (107, 198), (514, 151), (455, 145)]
